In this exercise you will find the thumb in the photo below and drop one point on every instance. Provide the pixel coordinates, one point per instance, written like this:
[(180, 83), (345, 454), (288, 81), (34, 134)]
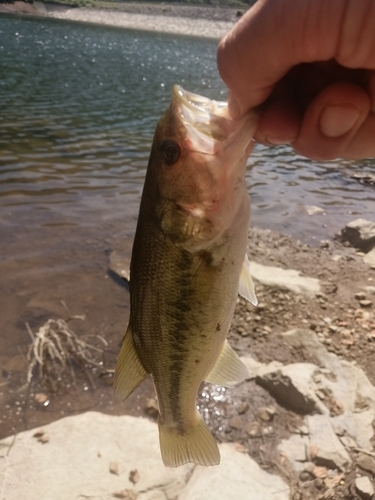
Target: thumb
[(331, 121)]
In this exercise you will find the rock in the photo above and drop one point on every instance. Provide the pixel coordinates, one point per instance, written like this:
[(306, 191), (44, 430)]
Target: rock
[(237, 477), (360, 296), (364, 177), (266, 413), (360, 233), (365, 462), (290, 385), (294, 449), (236, 423), (113, 468), (253, 429), (304, 476), (253, 366), (120, 265), (364, 487), (287, 279), (314, 210), (242, 408), (75, 465), (348, 442), (365, 303), (329, 450), (134, 476), (319, 472), (318, 483), (40, 397), (152, 407), (348, 385)]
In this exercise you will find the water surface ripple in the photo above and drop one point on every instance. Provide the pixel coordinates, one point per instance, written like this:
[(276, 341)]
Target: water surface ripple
[(79, 106)]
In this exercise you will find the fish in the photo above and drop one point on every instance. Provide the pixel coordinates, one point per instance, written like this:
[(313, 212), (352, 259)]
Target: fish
[(187, 267)]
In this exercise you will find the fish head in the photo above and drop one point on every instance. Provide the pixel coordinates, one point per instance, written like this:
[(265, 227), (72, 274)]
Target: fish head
[(197, 169)]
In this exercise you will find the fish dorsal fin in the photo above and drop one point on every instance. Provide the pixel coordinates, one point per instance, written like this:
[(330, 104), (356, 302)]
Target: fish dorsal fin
[(129, 372), (228, 370), (246, 288)]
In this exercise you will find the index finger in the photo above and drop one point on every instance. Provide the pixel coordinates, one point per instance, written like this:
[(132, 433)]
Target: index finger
[(269, 40)]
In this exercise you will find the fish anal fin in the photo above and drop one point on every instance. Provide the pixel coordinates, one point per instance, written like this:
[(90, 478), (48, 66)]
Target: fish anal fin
[(246, 287), (129, 372), (196, 445), (228, 370)]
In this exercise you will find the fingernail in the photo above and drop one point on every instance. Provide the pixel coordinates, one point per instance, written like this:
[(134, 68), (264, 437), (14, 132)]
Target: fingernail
[(336, 121), (277, 141), (234, 108)]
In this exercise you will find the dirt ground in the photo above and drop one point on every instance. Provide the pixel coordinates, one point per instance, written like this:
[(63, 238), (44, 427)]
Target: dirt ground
[(237, 415), (341, 323)]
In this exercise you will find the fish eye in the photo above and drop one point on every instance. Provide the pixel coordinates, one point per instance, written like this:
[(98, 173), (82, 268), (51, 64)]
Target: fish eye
[(171, 152)]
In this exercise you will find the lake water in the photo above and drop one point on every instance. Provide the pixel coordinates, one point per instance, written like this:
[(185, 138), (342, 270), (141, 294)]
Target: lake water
[(79, 104)]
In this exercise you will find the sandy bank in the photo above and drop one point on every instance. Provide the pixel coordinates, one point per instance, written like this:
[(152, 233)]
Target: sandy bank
[(202, 22), (160, 23)]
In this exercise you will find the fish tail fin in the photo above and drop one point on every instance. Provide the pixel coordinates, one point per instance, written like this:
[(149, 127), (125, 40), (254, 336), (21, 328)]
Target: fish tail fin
[(195, 445), (129, 372)]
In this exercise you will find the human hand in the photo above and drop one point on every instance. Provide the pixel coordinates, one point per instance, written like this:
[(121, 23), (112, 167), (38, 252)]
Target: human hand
[(310, 64)]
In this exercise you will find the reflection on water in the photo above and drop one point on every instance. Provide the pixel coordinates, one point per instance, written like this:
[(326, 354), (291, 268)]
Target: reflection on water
[(79, 104)]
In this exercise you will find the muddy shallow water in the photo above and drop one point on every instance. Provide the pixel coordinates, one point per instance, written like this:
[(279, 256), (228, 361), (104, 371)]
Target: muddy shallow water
[(79, 105)]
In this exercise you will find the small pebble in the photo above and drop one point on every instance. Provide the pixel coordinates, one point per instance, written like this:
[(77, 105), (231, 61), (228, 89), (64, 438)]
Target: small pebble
[(253, 429), (152, 408), (113, 468), (266, 413), (242, 408), (304, 476), (236, 423), (364, 487), (320, 472), (40, 397), (134, 476), (365, 303), (318, 483)]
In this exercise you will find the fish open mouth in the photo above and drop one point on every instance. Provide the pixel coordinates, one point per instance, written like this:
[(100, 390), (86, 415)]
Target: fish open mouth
[(205, 120)]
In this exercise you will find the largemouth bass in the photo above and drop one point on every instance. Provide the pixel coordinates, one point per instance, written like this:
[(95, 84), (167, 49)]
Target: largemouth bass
[(188, 265)]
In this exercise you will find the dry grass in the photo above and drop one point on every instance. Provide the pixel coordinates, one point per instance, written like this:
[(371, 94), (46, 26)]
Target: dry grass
[(56, 350)]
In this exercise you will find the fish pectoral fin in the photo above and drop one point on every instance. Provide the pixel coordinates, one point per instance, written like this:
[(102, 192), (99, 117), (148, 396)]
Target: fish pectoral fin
[(228, 370), (129, 372), (195, 445), (246, 288)]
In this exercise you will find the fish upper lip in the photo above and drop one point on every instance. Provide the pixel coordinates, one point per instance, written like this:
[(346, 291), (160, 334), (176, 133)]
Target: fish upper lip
[(202, 107), (202, 118)]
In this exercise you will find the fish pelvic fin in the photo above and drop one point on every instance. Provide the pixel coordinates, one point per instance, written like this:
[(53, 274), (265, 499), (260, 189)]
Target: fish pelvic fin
[(195, 445), (228, 370), (246, 288), (129, 372)]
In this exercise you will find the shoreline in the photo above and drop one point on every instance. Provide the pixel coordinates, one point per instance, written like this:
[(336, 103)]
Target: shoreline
[(212, 22)]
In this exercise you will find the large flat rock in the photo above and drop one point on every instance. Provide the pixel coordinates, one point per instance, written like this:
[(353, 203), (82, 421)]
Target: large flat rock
[(287, 279), (79, 453)]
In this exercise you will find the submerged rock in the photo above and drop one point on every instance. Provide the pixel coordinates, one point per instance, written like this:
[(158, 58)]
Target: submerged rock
[(360, 233)]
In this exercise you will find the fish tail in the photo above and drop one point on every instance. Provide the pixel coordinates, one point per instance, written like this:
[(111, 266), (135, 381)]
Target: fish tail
[(195, 445)]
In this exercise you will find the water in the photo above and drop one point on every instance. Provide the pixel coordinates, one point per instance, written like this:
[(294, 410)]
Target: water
[(79, 104)]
